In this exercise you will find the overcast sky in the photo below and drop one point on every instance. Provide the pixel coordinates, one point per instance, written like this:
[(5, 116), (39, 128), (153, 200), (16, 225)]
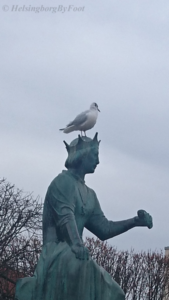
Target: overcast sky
[(54, 64)]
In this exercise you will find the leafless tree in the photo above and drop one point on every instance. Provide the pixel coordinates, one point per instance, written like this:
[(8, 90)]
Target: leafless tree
[(20, 234), (142, 276)]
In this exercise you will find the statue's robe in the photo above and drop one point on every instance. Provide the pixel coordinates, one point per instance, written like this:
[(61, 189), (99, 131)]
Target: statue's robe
[(59, 275)]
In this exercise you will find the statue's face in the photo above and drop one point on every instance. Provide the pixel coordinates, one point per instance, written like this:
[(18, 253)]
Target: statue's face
[(91, 161)]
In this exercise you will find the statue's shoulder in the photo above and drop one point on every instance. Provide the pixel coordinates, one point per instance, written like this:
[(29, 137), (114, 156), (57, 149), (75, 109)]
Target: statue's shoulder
[(62, 181), (60, 178)]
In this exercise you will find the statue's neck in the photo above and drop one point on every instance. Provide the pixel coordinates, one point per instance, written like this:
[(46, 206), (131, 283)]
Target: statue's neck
[(78, 173)]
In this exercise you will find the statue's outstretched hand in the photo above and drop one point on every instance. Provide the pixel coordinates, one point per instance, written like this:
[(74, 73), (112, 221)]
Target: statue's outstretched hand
[(143, 219), (80, 251)]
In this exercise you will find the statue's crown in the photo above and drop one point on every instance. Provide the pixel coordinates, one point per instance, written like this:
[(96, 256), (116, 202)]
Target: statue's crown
[(82, 143)]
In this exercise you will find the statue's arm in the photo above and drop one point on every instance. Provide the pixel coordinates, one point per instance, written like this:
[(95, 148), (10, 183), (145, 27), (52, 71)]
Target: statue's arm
[(70, 234), (105, 229), (62, 202)]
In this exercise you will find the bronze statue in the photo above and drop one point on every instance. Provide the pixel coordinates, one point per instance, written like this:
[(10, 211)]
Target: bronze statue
[(65, 270)]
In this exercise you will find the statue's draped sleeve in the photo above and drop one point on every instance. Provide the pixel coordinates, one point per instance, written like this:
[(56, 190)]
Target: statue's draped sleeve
[(104, 229), (62, 200)]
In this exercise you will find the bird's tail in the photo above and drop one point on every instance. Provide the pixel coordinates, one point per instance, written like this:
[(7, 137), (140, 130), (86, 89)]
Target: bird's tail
[(68, 129)]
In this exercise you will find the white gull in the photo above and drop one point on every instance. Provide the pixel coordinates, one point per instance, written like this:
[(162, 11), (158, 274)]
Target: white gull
[(84, 121)]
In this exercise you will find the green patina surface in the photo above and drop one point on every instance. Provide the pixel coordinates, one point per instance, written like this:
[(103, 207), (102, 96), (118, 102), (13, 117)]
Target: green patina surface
[(65, 270)]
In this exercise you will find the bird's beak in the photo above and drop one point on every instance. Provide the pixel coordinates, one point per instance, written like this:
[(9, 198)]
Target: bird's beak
[(99, 110)]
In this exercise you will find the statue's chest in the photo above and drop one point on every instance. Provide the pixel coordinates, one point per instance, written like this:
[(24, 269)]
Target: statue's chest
[(84, 201)]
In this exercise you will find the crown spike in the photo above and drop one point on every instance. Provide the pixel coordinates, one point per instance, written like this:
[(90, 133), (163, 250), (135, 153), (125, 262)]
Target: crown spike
[(67, 146), (95, 137)]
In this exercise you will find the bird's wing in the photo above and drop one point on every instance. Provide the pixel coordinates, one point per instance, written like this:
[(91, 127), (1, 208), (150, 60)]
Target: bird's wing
[(80, 119)]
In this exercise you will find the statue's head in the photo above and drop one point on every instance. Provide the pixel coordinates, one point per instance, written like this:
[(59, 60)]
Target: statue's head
[(83, 153)]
